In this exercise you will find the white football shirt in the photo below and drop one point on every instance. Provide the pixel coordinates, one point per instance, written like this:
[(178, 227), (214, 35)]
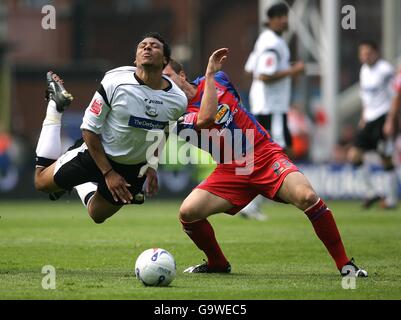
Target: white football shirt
[(375, 89), (270, 55), (124, 110)]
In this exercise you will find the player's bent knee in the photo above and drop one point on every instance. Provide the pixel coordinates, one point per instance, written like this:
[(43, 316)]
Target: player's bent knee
[(100, 209), (184, 213), (187, 213), (310, 197), (96, 218), (306, 198)]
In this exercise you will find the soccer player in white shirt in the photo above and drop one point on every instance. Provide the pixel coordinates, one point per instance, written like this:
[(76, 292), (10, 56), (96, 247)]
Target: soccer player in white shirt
[(376, 92), (109, 167), (270, 92)]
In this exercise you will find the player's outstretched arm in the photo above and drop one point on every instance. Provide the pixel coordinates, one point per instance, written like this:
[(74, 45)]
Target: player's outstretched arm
[(297, 68), (209, 103), (115, 182)]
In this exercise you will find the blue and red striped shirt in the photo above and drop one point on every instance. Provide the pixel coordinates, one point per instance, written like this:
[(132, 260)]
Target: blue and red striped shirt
[(233, 123)]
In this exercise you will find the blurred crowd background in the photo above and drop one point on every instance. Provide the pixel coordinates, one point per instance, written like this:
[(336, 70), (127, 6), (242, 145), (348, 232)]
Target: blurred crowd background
[(93, 36)]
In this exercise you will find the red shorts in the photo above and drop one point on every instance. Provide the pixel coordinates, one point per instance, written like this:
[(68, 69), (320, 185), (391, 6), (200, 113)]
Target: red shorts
[(265, 179)]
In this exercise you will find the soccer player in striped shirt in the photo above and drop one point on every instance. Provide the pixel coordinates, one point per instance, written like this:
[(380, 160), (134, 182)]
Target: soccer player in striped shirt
[(232, 135)]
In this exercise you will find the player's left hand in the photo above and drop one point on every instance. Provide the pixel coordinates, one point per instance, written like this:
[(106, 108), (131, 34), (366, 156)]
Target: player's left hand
[(152, 183), (216, 61)]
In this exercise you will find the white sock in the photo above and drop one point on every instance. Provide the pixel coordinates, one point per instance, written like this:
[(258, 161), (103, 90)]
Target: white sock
[(86, 192), (254, 205), (370, 190), (277, 129), (49, 144), (53, 117), (391, 194)]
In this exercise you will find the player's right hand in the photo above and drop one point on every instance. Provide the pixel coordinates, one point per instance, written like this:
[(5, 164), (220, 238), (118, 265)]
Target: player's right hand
[(118, 187), (216, 61), (298, 67)]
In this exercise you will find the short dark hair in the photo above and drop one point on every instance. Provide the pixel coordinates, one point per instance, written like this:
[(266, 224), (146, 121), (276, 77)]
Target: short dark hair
[(166, 47), (176, 66), (369, 43), (277, 10)]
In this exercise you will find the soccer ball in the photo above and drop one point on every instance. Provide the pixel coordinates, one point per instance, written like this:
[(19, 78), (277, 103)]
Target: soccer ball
[(155, 267)]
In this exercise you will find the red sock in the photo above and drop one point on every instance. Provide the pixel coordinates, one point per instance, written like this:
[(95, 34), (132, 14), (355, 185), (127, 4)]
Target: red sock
[(326, 229), (202, 234)]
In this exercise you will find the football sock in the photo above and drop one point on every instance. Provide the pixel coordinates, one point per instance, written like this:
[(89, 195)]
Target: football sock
[(277, 129), (86, 191), (254, 205), (391, 187), (49, 144), (367, 181), (326, 229), (53, 117), (202, 234)]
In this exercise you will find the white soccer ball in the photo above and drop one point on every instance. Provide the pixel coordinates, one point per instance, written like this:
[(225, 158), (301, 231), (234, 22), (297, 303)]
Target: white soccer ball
[(155, 267)]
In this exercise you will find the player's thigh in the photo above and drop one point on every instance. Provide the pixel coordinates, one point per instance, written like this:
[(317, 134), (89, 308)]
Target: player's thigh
[(200, 204), (297, 190), (44, 179), (100, 209)]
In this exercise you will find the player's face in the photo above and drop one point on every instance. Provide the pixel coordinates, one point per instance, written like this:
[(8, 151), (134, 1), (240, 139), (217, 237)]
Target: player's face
[(150, 53), (367, 54), (284, 23), (179, 79), (279, 24)]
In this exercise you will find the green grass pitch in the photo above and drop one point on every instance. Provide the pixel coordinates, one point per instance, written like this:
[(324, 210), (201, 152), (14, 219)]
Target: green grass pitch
[(280, 258)]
